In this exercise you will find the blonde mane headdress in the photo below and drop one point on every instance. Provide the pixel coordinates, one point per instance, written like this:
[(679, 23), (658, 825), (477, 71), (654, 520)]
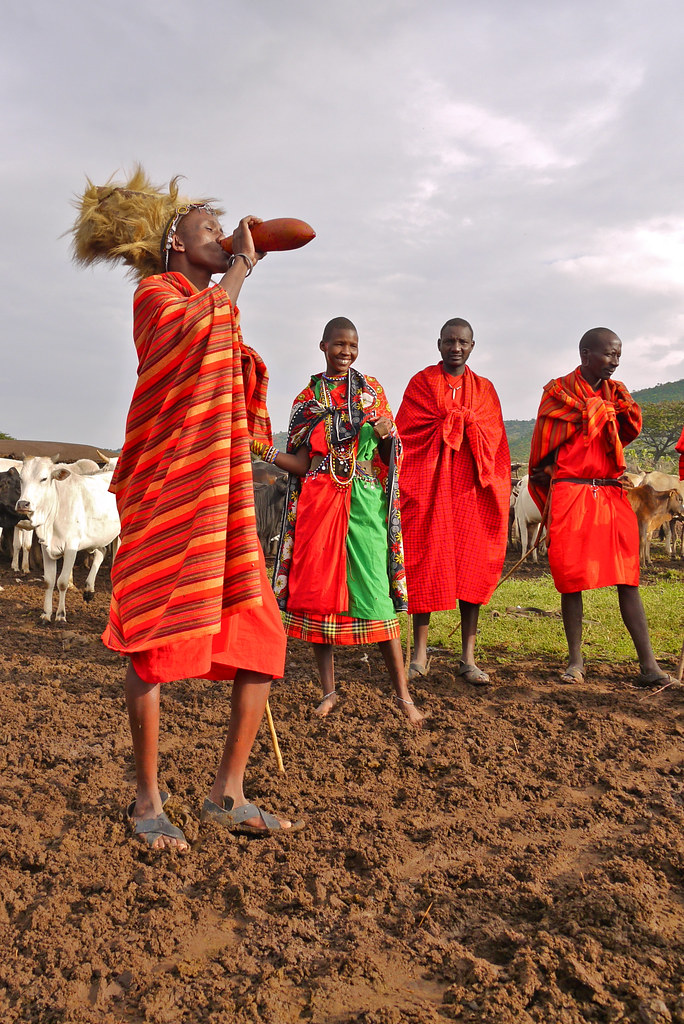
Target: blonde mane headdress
[(132, 223)]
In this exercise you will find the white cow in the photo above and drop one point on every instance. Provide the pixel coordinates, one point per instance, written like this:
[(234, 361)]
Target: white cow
[(69, 513), (527, 518), (513, 535), (22, 540)]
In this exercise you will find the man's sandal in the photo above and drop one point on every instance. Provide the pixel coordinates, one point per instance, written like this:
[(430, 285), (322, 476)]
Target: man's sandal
[(416, 670), (154, 828), (658, 678), (472, 674), (235, 818), (573, 675)]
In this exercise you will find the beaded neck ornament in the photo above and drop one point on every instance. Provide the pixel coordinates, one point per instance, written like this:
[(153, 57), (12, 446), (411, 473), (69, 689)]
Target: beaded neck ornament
[(342, 455)]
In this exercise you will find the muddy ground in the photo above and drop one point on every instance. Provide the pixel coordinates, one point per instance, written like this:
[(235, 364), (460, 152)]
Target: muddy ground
[(522, 859)]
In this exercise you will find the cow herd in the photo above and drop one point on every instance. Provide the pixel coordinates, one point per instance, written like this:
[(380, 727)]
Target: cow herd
[(68, 508), (657, 499)]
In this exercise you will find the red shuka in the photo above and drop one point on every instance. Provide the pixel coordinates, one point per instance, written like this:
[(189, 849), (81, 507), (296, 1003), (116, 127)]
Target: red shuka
[(593, 537), (455, 489), (679, 447)]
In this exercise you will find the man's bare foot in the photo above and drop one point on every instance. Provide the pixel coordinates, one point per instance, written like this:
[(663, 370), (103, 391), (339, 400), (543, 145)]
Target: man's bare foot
[(225, 811), (327, 704), (153, 825), (574, 673), (414, 716)]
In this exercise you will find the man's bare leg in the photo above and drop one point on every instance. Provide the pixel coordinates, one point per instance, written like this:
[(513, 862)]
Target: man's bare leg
[(634, 618), (393, 657), (325, 663), (470, 614), (142, 701), (421, 625), (248, 702), (572, 608)]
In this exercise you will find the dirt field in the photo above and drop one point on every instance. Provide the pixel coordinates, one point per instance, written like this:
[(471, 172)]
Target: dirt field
[(520, 860)]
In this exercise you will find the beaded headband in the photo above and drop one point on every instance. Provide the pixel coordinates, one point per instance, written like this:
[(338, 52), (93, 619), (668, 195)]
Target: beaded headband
[(172, 227)]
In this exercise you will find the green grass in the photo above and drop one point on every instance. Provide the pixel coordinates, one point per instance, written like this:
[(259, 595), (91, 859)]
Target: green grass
[(504, 636)]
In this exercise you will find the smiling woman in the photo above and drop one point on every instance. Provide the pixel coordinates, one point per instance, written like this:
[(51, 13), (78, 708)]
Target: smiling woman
[(339, 573)]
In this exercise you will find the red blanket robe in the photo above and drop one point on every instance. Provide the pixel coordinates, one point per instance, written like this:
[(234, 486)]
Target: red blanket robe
[(189, 556), (455, 489), (593, 537), (679, 447)]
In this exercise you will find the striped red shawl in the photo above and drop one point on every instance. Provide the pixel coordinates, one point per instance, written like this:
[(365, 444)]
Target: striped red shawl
[(570, 404), (183, 483)]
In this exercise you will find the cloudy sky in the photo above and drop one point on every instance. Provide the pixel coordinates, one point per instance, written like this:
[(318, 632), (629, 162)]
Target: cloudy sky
[(516, 164)]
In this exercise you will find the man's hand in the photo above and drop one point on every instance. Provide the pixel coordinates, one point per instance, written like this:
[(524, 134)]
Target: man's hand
[(540, 475), (243, 241), (382, 427)]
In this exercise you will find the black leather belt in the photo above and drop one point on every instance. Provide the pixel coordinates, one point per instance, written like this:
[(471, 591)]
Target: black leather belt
[(596, 482)]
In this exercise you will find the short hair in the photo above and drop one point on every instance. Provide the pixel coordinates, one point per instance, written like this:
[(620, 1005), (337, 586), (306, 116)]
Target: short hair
[(596, 335), (457, 321), (338, 323)]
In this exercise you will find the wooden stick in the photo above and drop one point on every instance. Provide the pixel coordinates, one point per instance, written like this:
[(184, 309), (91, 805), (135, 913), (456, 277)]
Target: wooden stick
[(274, 739), (542, 524), (680, 670), (420, 923)]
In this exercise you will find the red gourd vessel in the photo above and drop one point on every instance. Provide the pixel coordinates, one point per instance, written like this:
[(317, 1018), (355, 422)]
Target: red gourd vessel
[(277, 235)]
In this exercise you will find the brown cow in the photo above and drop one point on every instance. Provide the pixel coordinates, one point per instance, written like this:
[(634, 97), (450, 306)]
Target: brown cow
[(652, 508)]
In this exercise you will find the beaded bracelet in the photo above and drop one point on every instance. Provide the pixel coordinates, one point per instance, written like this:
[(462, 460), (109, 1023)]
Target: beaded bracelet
[(263, 451)]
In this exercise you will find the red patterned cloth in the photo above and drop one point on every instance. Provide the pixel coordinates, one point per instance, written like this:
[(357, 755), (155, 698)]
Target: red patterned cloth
[(189, 555), (455, 489), (679, 447), (593, 536)]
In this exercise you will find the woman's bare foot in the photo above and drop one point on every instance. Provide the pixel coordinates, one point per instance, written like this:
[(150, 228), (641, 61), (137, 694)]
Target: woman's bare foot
[(414, 716), (327, 704)]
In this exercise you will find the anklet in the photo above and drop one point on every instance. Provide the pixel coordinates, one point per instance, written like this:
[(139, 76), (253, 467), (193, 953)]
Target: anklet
[(404, 701), (326, 695)]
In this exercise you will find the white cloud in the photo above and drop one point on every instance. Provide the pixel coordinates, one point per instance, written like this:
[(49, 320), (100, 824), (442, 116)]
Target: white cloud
[(648, 256)]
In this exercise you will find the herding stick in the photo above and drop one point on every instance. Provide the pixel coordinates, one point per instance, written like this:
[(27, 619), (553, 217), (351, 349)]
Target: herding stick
[(274, 739)]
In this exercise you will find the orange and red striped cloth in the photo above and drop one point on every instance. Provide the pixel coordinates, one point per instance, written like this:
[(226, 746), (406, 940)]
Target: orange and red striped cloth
[(569, 404), (189, 552)]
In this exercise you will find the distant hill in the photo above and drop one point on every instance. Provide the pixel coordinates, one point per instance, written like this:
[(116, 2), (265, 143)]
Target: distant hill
[(673, 391)]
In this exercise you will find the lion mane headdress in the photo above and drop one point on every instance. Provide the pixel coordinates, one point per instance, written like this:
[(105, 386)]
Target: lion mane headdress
[(132, 223)]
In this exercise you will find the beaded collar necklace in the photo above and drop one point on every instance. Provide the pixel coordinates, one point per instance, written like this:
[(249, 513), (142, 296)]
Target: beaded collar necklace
[(342, 457)]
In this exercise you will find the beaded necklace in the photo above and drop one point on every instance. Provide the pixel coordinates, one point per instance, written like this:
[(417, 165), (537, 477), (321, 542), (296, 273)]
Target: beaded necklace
[(340, 455)]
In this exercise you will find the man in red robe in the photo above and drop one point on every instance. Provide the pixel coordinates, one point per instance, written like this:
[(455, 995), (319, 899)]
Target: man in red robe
[(576, 459), (455, 492)]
